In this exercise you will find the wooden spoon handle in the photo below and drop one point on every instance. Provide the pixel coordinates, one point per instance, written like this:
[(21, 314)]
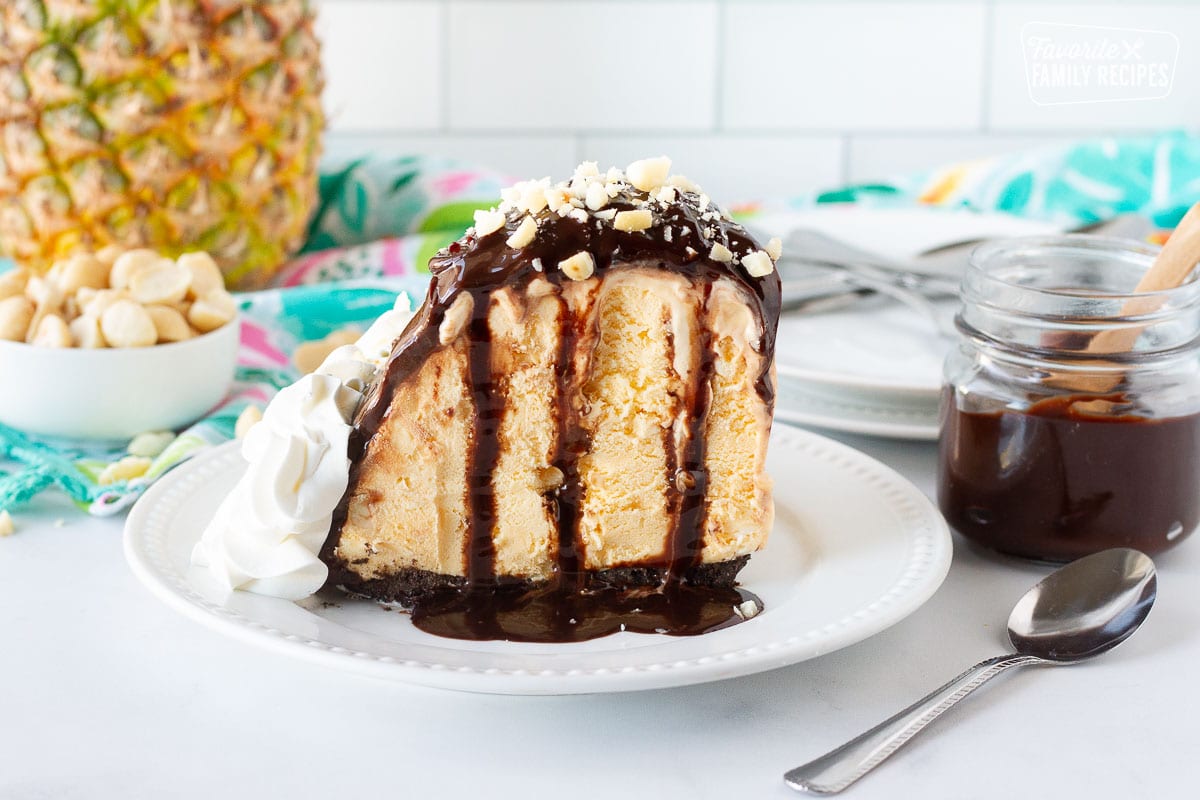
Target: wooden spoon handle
[(1171, 268), (1178, 256)]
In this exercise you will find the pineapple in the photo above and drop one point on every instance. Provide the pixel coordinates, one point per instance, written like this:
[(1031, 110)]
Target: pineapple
[(172, 124)]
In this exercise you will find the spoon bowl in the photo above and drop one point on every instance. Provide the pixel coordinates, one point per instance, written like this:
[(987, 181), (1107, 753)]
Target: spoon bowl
[(1086, 607), (1078, 611)]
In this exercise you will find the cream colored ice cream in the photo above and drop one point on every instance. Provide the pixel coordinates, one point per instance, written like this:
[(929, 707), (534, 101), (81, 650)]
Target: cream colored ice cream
[(406, 509), (587, 389)]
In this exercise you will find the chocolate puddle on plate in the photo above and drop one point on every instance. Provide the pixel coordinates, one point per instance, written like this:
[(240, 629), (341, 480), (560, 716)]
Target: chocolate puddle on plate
[(551, 615)]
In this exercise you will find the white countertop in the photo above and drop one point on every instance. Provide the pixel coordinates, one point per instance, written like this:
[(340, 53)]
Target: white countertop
[(105, 692)]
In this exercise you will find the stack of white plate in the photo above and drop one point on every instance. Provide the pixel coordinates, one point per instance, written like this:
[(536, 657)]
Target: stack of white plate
[(875, 367)]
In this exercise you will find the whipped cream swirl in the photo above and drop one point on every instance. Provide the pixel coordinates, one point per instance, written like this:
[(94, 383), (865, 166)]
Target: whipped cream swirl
[(267, 534)]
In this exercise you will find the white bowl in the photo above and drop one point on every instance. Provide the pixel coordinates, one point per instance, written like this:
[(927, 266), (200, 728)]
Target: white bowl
[(111, 393)]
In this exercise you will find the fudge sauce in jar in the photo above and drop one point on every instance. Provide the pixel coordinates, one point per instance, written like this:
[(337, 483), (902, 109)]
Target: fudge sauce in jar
[(1049, 448), (1068, 476)]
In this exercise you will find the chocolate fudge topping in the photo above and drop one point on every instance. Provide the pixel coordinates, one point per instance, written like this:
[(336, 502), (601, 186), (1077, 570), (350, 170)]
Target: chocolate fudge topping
[(681, 240)]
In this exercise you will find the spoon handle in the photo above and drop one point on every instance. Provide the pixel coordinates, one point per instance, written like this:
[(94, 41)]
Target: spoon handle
[(838, 769)]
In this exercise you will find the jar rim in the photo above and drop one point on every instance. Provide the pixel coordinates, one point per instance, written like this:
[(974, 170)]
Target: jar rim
[(1185, 293)]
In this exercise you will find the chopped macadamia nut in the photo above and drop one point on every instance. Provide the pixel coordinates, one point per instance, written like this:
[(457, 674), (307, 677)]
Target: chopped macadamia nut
[(649, 173), (683, 184), (597, 196), (758, 263), (774, 248), (44, 293), (721, 253), (578, 187), (533, 196), (126, 469), (578, 267), (488, 221), (251, 415), (747, 610), (171, 325), (163, 282), (127, 324), (638, 219), (523, 235), (212, 311), (556, 198), (128, 263), (108, 254), (633, 200), (16, 315), (456, 319), (7, 528), (94, 305), (73, 300), (310, 355), (12, 283), (85, 331), (52, 331), (150, 444), (82, 271), (205, 274)]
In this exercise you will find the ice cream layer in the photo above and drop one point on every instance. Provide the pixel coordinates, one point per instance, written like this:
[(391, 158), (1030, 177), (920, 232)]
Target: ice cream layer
[(639, 339), (588, 388)]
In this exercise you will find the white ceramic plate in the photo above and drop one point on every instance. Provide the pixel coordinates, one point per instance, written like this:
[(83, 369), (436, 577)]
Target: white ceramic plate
[(886, 349), (881, 347), (855, 549), (899, 416)]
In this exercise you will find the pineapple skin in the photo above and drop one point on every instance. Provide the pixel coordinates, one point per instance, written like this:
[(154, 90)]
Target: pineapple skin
[(178, 125)]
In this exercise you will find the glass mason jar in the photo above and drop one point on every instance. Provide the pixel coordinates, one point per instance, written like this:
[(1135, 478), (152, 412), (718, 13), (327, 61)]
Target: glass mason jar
[(1070, 421)]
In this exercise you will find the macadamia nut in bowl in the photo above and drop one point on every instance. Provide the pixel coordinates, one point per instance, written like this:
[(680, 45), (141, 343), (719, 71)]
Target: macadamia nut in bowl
[(106, 346)]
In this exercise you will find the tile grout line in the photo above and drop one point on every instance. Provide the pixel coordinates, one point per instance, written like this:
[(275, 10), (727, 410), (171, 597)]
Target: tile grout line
[(748, 133)]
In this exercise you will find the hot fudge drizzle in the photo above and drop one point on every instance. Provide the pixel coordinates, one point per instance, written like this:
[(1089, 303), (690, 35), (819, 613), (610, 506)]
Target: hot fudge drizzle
[(672, 597)]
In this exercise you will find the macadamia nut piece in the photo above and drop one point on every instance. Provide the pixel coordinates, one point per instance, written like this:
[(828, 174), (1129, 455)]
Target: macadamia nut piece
[(127, 324)]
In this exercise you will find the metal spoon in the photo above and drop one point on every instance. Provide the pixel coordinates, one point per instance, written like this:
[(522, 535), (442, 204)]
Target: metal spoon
[(1081, 610)]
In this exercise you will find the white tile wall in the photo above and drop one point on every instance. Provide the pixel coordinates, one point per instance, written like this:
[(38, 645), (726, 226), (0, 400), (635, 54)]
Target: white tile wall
[(372, 83), (518, 156), (582, 65), (850, 66), (750, 97), (1011, 107)]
